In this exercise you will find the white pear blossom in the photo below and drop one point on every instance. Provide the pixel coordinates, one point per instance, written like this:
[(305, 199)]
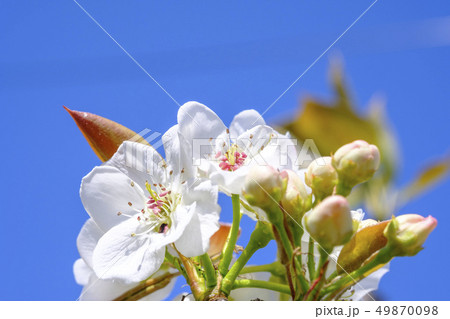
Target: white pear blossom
[(226, 155), (95, 288), (143, 204)]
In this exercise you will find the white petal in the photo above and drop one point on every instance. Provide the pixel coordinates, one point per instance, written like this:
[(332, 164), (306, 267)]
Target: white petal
[(195, 238), (204, 222), (253, 141), (181, 218), (244, 121), (178, 155), (82, 272), (229, 182), (105, 191), (197, 124), (127, 258), (87, 240), (139, 162), (104, 290)]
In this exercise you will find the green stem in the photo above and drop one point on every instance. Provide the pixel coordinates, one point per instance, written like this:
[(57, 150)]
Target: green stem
[(289, 253), (250, 283), (259, 238), (323, 258), (175, 262), (311, 262), (230, 244), (210, 271), (275, 268), (342, 189), (196, 283)]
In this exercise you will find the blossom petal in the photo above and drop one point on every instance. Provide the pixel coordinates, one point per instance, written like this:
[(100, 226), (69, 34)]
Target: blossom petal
[(103, 290), (244, 121), (198, 124), (139, 162), (82, 272), (253, 141), (126, 257), (178, 155), (87, 240), (204, 223), (229, 182), (105, 192)]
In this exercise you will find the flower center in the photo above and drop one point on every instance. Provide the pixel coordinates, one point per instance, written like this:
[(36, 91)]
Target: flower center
[(161, 203), (232, 159)]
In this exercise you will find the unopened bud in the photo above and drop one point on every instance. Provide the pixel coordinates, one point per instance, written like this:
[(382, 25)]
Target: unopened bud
[(321, 177), (407, 233), (330, 223), (295, 200), (356, 162), (264, 187)]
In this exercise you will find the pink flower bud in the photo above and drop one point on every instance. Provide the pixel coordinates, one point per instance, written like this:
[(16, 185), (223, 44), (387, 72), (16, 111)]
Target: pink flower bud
[(356, 162), (407, 233), (321, 177), (295, 199), (264, 186), (330, 223)]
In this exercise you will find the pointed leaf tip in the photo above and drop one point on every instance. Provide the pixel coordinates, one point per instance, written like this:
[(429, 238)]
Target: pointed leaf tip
[(103, 135)]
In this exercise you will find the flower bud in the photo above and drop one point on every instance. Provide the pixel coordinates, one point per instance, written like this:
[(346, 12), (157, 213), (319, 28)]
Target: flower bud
[(264, 187), (407, 233), (356, 162), (321, 177), (295, 200), (330, 223)]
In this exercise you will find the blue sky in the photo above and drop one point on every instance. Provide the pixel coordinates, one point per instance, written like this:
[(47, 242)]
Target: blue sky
[(227, 55)]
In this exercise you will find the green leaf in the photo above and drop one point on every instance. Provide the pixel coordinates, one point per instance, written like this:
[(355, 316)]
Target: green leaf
[(365, 242)]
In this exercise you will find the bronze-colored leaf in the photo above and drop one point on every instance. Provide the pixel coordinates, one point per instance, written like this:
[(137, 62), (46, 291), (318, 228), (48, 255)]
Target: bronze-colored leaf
[(103, 135), (365, 242), (332, 124), (218, 240)]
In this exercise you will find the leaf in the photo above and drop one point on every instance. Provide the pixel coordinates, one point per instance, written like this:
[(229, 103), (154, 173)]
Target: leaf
[(103, 135), (365, 242), (427, 178), (218, 240), (332, 124)]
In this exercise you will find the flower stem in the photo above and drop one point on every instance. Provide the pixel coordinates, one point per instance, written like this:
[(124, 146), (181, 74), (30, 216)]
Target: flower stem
[(250, 283), (259, 238), (210, 271), (311, 262), (275, 268), (342, 189), (196, 283), (230, 244)]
